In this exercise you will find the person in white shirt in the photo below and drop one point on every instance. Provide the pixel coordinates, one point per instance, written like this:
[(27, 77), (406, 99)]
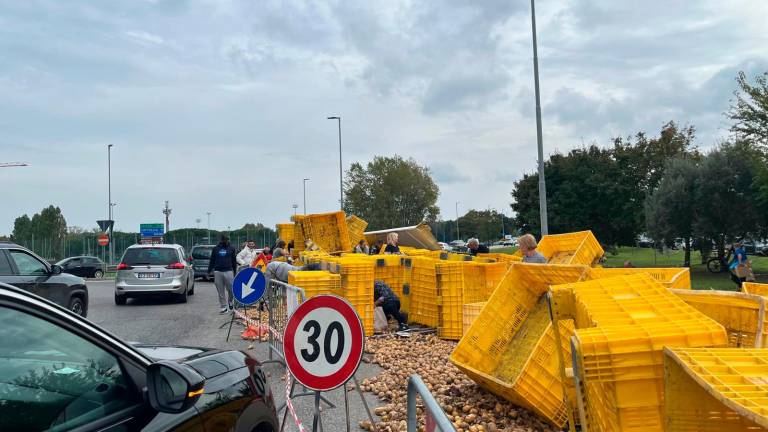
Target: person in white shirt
[(247, 255)]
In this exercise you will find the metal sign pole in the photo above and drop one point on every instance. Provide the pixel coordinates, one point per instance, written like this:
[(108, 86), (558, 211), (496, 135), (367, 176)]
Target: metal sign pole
[(317, 425)]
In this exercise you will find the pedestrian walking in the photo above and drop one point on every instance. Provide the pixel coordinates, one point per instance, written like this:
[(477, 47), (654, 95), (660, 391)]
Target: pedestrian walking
[(527, 244), (739, 267), (246, 256), (222, 264)]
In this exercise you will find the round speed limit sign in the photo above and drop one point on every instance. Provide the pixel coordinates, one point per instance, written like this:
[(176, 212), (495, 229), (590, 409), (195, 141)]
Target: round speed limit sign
[(323, 342)]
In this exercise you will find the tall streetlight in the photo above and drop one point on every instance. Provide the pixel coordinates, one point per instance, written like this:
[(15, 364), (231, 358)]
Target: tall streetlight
[(539, 139), (341, 176), (110, 204), (295, 206), (458, 235), (304, 184), (209, 227)]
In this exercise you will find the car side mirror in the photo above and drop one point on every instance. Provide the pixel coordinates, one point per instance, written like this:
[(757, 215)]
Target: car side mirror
[(55, 269), (172, 387)]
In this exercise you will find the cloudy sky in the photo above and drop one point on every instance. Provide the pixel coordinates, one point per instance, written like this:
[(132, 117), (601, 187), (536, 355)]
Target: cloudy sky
[(221, 106)]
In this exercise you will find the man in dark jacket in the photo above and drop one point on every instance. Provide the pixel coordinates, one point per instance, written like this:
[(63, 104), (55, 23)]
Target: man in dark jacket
[(223, 264), (384, 296)]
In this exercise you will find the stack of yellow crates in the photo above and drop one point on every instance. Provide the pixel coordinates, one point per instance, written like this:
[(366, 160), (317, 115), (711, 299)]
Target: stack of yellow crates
[(327, 230), (423, 292), (394, 270), (298, 234), (357, 277), (315, 283), (622, 325), (450, 299), (285, 231)]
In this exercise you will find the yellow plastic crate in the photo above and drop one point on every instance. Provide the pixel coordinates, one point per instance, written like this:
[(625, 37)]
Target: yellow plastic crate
[(526, 367), (423, 292), (356, 228), (450, 299), (285, 231), (327, 230), (315, 283), (500, 257), (470, 312), (671, 277), (395, 271), (755, 288), (299, 242), (571, 248), (709, 389), (742, 315)]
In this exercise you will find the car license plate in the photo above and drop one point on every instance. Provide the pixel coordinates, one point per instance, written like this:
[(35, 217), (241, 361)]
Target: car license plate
[(149, 275)]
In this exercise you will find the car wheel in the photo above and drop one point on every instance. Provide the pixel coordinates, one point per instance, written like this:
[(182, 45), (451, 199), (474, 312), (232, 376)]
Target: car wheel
[(77, 306), (120, 300), (181, 298), (98, 274)]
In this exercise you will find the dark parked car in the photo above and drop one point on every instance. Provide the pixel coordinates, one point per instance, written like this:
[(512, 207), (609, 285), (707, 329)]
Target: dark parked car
[(22, 268), (61, 372), (200, 255), (83, 266)]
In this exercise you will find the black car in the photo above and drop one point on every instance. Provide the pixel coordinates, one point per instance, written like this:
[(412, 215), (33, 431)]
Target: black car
[(22, 268), (61, 372), (200, 256), (83, 266)]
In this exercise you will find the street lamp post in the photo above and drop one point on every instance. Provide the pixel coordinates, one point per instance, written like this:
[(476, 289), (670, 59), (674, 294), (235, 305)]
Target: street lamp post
[(341, 176), (209, 227), (539, 139), (458, 234), (109, 204), (295, 206), (304, 184)]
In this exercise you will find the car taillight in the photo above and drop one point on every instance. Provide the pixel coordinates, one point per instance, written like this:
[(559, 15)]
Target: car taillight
[(123, 266), (175, 266)]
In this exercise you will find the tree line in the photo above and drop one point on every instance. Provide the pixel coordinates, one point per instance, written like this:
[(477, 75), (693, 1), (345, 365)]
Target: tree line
[(662, 186)]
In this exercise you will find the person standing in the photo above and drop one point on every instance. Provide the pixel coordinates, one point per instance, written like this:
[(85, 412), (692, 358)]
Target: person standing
[(223, 263), (392, 247), (475, 247), (527, 244), (246, 256)]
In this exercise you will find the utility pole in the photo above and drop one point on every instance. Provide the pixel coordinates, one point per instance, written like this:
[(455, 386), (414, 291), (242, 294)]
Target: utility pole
[(295, 206), (110, 205), (539, 138), (167, 213), (305, 194), (209, 227), (341, 176), (458, 234)]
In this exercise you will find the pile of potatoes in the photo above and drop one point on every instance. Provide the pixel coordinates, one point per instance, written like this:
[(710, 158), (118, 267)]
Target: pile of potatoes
[(469, 407)]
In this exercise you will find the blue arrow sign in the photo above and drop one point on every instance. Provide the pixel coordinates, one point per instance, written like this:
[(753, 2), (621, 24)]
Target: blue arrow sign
[(249, 286)]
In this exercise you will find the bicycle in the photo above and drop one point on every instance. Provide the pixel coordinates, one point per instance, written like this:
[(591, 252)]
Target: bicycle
[(718, 264)]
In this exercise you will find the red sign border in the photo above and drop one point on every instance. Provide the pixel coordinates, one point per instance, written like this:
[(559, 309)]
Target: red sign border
[(349, 368), (101, 236)]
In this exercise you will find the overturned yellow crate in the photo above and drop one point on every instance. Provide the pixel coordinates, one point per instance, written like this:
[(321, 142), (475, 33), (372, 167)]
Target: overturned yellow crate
[(671, 277), (327, 230), (491, 342), (571, 248), (715, 389), (356, 228), (285, 231), (755, 288), (742, 315), (298, 234)]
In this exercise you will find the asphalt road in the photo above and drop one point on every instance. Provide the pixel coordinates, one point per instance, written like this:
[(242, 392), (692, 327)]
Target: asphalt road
[(196, 323)]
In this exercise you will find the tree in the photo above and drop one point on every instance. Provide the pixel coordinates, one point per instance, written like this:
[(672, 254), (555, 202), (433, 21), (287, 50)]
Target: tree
[(670, 210), (22, 228), (603, 190), (390, 192), (750, 109), (725, 196)]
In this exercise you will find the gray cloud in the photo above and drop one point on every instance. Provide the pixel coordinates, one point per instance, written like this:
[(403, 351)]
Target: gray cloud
[(447, 173)]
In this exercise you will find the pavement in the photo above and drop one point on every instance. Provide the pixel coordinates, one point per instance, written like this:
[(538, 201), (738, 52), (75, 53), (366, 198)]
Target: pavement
[(196, 323)]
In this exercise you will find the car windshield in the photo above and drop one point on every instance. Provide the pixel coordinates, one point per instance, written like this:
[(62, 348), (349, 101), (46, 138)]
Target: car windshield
[(150, 256), (62, 262), (202, 252)]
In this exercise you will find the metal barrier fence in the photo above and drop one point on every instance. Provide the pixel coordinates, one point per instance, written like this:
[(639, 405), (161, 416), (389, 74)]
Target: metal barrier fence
[(436, 420), (282, 300)]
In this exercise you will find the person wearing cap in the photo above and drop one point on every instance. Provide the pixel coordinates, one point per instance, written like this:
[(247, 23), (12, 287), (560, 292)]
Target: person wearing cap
[(527, 244), (475, 247)]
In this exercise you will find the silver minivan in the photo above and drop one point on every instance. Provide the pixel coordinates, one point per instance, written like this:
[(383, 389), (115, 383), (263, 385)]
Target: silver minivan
[(153, 269)]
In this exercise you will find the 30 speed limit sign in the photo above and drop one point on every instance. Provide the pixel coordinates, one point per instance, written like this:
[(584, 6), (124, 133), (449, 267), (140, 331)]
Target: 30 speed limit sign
[(323, 342)]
